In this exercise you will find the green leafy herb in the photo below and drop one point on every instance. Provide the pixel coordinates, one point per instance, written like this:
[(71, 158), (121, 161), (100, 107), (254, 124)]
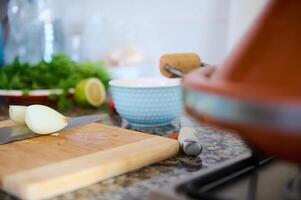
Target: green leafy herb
[(60, 73)]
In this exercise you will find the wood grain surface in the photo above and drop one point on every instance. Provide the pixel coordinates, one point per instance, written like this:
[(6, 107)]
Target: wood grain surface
[(46, 166)]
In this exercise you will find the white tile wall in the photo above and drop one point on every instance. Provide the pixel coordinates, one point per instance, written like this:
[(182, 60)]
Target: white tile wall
[(154, 27)]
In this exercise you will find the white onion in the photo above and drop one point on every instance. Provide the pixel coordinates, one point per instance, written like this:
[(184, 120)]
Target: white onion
[(44, 120), (17, 113)]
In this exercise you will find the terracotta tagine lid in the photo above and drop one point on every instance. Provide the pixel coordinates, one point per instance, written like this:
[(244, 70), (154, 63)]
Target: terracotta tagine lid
[(257, 91)]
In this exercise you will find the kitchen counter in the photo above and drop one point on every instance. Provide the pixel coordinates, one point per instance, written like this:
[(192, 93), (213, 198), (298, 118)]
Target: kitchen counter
[(218, 147)]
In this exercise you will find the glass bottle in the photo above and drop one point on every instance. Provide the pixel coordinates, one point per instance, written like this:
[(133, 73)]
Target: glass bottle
[(1, 45), (35, 33)]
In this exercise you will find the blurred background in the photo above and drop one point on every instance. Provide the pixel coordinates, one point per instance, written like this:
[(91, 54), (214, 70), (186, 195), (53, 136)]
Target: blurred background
[(129, 36)]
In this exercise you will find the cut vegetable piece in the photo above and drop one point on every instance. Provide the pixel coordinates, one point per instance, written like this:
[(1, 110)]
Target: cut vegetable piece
[(90, 92), (44, 120), (17, 113)]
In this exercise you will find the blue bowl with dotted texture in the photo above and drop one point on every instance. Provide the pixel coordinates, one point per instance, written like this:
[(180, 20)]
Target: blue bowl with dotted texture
[(148, 102)]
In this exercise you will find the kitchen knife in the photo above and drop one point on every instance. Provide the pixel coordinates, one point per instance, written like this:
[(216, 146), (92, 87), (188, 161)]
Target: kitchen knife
[(22, 132), (187, 138)]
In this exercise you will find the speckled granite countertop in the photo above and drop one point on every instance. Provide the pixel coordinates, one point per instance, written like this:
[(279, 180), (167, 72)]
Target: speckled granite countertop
[(218, 147)]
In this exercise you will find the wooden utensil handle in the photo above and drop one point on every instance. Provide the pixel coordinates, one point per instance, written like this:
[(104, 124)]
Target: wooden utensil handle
[(184, 62)]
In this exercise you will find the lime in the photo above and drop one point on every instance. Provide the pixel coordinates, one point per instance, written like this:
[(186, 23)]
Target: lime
[(90, 91)]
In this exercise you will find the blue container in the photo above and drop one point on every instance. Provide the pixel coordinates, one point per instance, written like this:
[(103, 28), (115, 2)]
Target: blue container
[(148, 102), (1, 45)]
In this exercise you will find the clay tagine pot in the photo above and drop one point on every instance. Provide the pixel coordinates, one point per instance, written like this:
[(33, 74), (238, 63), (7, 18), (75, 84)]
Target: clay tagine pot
[(257, 91)]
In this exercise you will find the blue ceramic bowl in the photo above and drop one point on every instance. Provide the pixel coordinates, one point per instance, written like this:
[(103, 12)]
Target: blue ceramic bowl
[(148, 102)]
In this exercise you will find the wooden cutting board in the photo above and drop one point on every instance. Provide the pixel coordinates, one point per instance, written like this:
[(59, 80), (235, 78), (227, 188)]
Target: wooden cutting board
[(47, 166)]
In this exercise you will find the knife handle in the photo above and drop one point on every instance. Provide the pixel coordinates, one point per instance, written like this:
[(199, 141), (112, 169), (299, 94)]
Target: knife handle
[(189, 142)]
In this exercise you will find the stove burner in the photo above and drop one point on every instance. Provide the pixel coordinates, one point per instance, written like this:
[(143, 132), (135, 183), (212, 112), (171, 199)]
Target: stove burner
[(293, 188), (245, 178), (200, 187)]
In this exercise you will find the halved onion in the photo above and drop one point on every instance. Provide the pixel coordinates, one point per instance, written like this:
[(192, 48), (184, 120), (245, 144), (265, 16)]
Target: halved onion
[(44, 120), (17, 113)]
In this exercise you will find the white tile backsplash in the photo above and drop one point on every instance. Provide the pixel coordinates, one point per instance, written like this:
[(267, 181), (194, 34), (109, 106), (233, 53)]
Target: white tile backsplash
[(154, 27)]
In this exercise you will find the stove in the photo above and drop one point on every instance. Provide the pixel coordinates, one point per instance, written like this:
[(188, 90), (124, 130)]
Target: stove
[(246, 177)]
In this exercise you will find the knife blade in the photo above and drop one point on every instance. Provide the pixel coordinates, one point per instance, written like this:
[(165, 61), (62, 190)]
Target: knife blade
[(22, 132)]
